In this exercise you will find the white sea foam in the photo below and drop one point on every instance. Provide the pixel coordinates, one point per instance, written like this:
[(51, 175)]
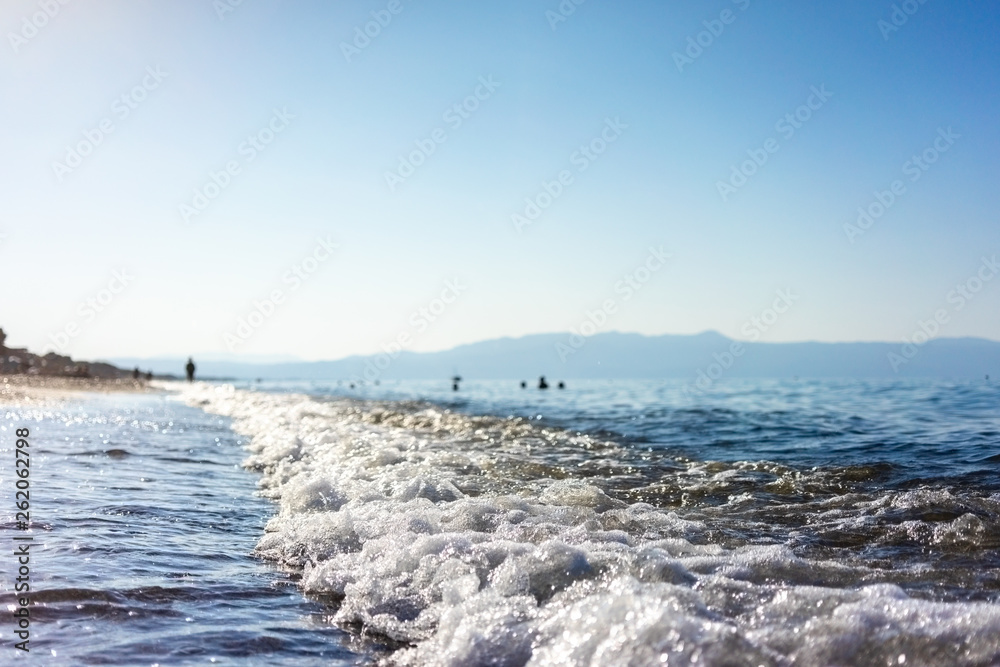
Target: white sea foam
[(446, 533)]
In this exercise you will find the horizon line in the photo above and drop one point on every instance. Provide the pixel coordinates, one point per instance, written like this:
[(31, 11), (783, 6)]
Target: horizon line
[(219, 356)]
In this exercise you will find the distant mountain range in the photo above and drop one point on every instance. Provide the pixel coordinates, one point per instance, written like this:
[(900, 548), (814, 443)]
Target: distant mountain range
[(703, 357)]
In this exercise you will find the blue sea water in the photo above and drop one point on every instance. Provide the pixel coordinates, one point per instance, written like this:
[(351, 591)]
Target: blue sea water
[(917, 430), (143, 527), (612, 522)]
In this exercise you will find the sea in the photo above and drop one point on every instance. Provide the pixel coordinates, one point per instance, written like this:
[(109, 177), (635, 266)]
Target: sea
[(626, 522)]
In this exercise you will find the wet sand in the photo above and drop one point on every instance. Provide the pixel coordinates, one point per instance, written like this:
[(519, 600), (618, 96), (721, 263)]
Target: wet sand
[(29, 389)]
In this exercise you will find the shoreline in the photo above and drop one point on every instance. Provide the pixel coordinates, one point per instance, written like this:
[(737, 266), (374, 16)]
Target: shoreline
[(37, 388)]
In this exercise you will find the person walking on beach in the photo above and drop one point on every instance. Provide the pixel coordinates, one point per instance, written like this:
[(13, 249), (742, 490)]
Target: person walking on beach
[(190, 369)]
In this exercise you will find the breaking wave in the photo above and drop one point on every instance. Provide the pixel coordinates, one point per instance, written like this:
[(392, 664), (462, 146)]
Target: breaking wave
[(479, 540)]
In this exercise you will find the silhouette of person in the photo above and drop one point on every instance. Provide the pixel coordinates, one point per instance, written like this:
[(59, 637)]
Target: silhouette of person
[(135, 373), (542, 384), (190, 369), (523, 384), (562, 385), (149, 375)]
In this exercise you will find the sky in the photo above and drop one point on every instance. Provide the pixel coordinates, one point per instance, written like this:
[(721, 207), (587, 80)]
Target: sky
[(264, 179)]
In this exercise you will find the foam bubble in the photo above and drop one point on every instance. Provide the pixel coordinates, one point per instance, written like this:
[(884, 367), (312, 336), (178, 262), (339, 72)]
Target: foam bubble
[(477, 540)]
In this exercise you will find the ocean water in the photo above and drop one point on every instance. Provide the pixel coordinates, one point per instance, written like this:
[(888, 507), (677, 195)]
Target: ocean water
[(144, 525), (631, 523), (610, 523)]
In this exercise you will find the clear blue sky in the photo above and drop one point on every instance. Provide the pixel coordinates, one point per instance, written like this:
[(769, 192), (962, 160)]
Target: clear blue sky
[(324, 173)]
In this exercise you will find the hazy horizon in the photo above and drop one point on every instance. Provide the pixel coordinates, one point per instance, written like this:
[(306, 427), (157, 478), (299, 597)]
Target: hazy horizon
[(267, 359)]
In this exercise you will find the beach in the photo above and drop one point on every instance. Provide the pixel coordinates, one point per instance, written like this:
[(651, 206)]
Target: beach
[(41, 388), (510, 334)]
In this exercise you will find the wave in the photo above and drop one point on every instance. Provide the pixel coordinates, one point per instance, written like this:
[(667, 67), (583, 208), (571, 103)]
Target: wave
[(482, 540)]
